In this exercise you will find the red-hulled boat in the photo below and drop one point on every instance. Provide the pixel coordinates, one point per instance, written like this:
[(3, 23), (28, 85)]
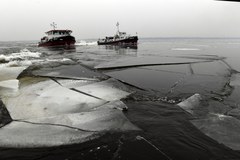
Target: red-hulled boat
[(57, 38), (120, 38)]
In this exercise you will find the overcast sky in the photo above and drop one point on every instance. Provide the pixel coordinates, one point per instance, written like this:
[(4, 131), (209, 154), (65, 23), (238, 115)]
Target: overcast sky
[(29, 19)]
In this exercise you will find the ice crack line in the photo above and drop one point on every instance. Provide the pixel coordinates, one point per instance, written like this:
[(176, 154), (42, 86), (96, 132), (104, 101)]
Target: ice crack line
[(142, 138), (58, 125), (76, 90), (175, 85)]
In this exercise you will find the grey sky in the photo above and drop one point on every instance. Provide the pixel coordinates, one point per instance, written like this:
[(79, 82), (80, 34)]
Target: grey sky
[(29, 19)]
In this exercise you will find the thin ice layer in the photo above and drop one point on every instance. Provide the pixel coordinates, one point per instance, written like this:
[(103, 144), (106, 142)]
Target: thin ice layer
[(69, 71), (147, 79), (146, 61), (210, 119), (224, 129)]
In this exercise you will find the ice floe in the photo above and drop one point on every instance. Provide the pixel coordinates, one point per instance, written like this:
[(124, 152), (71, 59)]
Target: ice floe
[(63, 129)]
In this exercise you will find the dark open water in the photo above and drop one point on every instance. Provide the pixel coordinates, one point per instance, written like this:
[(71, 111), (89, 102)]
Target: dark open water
[(163, 72)]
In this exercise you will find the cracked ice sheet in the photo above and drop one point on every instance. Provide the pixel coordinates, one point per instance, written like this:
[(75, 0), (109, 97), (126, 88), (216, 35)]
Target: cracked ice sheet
[(176, 79), (215, 68), (235, 80), (146, 61), (224, 129), (107, 90), (200, 83), (199, 107), (64, 129), (148, 79), (43, 97), (210, 119)]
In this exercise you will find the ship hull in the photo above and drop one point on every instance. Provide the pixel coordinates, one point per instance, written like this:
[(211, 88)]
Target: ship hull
[(66, 41), (130, 40)]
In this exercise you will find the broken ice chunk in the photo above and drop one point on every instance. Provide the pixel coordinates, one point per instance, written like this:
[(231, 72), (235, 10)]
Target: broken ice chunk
[(190, 103)]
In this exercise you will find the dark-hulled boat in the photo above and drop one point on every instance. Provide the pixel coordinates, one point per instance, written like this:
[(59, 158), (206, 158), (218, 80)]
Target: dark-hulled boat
[(120, 38), (57, 38)]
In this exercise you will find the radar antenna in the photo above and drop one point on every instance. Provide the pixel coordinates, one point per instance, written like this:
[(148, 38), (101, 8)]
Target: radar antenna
[(54, 25)]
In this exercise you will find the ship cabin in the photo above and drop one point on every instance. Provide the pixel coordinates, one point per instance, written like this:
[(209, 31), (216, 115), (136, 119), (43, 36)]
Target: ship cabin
[(58, 33)]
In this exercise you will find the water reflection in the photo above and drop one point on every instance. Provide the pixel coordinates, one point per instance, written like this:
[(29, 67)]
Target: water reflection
[(122, 49), (116, 47)]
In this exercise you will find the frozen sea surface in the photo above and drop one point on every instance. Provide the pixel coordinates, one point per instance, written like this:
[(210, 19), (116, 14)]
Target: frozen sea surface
[(163, 99)]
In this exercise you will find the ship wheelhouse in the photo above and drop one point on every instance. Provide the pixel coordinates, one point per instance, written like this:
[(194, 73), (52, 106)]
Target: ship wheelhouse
[(58, 33)]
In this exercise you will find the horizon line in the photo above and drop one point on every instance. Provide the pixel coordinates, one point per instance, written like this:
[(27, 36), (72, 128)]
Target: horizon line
[(140, 38)]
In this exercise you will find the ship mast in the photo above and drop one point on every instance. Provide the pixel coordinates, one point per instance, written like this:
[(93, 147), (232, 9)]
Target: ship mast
[(117, 27), (54, 25)]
